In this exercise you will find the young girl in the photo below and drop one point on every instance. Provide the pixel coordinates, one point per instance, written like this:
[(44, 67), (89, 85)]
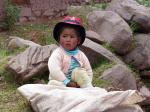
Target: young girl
[(68, 64)]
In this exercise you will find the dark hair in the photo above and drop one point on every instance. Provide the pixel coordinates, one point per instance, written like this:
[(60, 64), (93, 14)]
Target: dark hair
[(76, 28)]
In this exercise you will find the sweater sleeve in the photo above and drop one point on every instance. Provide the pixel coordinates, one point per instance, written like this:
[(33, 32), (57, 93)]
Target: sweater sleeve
[(54, 66), (87, 66)]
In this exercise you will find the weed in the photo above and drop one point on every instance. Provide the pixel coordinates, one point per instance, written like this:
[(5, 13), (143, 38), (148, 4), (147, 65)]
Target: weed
[(98, 69), (12, 14), (11, 100), (109, 47), (144, 2), (101, 5), (134, 26), (38, 33)]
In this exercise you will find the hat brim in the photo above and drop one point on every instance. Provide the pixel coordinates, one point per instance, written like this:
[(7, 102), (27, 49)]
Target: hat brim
[(60, 25)]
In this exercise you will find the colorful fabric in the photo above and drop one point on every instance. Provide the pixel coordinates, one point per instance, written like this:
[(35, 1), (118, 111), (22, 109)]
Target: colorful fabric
[(66, 81), (73, 64), (72, 53), (59, 63)]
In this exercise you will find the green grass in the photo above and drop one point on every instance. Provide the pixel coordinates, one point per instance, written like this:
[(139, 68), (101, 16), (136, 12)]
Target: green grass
[(144, 2), (10, 99), (39, 33), (101, 5), (98, 69)]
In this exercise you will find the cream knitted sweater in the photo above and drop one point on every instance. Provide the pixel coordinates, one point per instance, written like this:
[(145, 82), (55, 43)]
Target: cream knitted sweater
[(59, 63)]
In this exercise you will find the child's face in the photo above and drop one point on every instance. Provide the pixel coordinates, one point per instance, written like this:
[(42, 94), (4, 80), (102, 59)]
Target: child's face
[(69, 39)]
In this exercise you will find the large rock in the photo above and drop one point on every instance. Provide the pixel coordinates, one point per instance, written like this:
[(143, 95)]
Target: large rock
[(94, 37), (32, 62), (121, 77), (17, 42), (140, 56), (112, 28), (97, 52), (131, 10)]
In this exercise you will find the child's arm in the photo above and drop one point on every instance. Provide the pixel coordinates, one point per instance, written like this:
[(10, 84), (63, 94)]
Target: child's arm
[(54, 65)]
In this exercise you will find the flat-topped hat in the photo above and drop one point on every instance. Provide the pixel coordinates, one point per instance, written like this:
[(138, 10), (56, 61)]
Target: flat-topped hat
[(70, 21)]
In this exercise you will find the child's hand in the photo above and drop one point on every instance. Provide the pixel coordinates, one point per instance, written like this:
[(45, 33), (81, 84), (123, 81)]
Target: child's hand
[(73, 84)]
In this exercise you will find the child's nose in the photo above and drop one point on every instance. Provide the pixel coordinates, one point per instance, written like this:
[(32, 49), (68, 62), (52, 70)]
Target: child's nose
[(68, 38)]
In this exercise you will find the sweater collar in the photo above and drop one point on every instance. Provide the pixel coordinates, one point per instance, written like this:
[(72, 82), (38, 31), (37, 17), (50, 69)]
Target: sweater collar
[(72, 52)]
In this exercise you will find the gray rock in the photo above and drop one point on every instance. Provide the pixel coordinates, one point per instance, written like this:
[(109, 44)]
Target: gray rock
[(25, 12), (32, 62), (120, 77), (140, 56), (95, 52), (131, 10), (145, 91), (94, 37), (111, 27), (17, 42)]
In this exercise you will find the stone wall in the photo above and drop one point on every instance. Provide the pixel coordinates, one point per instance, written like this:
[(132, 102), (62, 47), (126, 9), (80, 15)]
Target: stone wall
[(43, 9), (1, 10), (21, 2), (37, 10)]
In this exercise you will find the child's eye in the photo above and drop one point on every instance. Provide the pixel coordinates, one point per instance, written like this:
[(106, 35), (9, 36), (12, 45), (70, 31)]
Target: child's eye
[(73, 36), (64, 36)]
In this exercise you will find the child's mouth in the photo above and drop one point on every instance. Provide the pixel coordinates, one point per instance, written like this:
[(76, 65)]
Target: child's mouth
[(67, 44)]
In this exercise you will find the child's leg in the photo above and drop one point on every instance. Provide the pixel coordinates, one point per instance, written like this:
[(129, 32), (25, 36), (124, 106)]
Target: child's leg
[(80, 76), (56, 83)]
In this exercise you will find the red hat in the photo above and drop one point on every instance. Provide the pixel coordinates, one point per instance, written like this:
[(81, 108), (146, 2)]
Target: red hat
[(70, 21)]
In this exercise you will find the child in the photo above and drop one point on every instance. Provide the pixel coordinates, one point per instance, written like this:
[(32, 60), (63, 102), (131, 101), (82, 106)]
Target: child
[(68, 65)]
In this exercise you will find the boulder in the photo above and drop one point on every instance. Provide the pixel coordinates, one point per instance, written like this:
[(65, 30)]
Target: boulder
[(32, 62), (94, 37), (140, 55), (17, 42), (131, 10), (120, 77), (145, 91), (112, 28), (97, 52)]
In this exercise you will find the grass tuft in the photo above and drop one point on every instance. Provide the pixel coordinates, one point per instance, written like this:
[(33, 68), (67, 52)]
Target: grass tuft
[(98, 69)]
